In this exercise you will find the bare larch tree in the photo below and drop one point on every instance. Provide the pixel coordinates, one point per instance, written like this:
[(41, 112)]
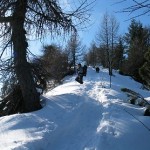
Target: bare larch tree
[(107, 37)]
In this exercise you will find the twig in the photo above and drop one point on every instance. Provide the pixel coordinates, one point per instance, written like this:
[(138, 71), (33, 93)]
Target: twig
[(137, 120)]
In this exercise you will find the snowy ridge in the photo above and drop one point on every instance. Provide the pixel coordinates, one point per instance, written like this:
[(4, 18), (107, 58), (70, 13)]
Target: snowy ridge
[(81, 117)]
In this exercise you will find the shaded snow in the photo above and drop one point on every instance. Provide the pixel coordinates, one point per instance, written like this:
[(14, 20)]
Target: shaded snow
[(91, 116)]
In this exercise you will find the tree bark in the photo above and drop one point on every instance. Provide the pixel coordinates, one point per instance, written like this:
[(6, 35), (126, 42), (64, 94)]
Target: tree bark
[(22, 67)]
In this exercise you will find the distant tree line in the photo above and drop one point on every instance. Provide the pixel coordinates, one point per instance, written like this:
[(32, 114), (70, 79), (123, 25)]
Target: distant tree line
[(128, 53), (57, 62)]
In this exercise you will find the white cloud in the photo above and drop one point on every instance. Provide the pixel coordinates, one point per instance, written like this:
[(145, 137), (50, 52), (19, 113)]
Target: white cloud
[(65, 4)]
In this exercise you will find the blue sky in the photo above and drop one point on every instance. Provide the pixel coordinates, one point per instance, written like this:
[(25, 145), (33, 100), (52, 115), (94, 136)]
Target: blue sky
[(97, 12), (109, 6)]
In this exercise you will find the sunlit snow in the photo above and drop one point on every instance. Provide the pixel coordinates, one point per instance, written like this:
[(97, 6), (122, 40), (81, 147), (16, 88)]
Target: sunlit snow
[(89, 116)]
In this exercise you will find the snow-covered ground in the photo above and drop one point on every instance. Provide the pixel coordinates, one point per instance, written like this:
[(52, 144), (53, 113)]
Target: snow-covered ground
[(89, 116)]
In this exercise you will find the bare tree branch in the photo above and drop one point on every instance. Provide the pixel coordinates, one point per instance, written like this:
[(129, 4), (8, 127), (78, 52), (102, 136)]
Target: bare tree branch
[(6, 19), (141, 7)]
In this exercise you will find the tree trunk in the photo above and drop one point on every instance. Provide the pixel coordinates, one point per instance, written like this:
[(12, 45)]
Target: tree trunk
[(22, 68), (74, 60)]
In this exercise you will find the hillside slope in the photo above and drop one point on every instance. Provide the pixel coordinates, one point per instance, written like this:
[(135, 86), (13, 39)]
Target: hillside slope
[(81, 117)]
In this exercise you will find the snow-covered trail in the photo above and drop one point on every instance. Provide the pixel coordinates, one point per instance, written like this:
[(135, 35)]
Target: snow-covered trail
[(90, 116), (97, 116), (118, 123), (79, 119)]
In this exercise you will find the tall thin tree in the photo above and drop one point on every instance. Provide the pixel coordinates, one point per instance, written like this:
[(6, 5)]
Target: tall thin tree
[(75, 49), (107, 36)]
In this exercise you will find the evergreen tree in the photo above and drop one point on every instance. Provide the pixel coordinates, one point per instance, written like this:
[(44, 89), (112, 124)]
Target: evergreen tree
[(92, 56), (145, 69), (54, 61), (74, 50), (118, 55), (137, 45)]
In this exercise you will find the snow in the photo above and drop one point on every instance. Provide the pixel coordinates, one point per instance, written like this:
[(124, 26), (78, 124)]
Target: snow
[(89, 116)]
